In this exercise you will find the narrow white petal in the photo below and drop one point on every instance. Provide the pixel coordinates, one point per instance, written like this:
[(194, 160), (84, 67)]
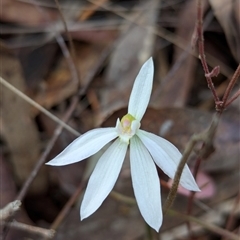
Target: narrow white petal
[(167, 157), (145, 183), (141, 91), (103, 178), (85, 146)]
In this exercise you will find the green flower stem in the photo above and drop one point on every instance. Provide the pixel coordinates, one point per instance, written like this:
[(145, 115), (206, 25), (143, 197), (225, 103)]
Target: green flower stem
[(122, 198)]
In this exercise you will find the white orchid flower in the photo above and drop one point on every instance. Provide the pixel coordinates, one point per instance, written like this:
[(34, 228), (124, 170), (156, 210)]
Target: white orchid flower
[(145, 149)]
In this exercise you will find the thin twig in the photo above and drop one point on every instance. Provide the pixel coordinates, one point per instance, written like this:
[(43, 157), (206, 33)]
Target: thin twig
[(230, 86), (70, 57), (44, 155), (202, 56), (192, 194), (122, 198), (70, 60), (230, 220), (220, 105), (209, 226), (173, 191), (9, 209), (207, 138), (72, 49), (63, 213), (38, 106), (233, 98), (47, 233), (158, 31), (90, 11), (75, 196)]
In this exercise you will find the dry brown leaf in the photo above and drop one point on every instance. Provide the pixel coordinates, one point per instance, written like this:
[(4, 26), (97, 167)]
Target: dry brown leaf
[(227, 13), (133, 48), (59, 84), (174, 91), (18, 129), (24, 13)]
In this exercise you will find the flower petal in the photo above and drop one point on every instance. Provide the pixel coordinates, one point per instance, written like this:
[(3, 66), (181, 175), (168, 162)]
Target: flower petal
[(85, 146), (141, 91), (103, 177), (145, 183), (167, 157)]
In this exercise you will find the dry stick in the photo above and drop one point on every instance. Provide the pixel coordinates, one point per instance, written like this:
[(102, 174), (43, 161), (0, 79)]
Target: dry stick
[(173, 191), (219, 105), (65, 51), (233, 98), (209, 226), (230, 220), (9, 209), (128, 200), (201, 50), (171, 38), (73, 105), (91, 74), (38, 106), (31, 229), (192, 194), (51, 143), (131, 201), (44, 155), (90, 11), (72, 50), (229, 89), (103, 57), (59, 129), (69, 58), (158, 31), (179, 61), (207, 148), (67, 206), (207, 138)]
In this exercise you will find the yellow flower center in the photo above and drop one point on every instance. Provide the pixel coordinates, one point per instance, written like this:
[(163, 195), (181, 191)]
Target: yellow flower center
[(127, 127), (126, 122)]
